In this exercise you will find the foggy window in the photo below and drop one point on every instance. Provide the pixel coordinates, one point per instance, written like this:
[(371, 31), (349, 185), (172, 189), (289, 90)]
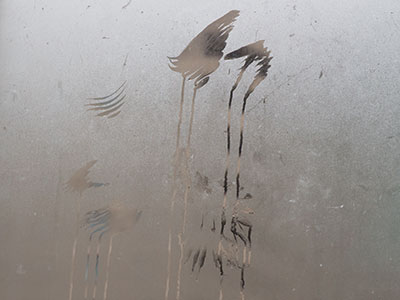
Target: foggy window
[(199, 150)]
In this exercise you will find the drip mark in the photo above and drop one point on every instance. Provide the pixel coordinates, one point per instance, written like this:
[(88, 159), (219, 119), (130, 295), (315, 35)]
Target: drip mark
[(196, 62), (254, 52), (213, 226), (242, 282), (195, 258), (114, 219), (202, 258)]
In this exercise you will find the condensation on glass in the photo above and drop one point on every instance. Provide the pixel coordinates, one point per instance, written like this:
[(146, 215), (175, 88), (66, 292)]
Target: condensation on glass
[(199, 150)]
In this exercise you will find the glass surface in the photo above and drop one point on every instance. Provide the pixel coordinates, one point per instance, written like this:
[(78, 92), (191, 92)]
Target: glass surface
[(115, 124)]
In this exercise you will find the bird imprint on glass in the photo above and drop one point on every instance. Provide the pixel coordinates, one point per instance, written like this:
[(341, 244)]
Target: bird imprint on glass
[(109, 220), (196, 62), (109, 106)]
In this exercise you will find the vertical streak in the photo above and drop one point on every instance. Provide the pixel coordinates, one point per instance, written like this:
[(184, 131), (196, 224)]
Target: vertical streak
[(228, 147), (71, 279), (96, 268), (87, 268), (242, 297), (178, 280), (235, 210), (243, 266), (191, 119), (108, 267), (228, 139), (187, 154), (71, 284), (249, 252), (221, 271), (228, 151), (178, 133), (249, 257), (240, 153), (242, 281), (187, 188), (168, 265), (174, 190)]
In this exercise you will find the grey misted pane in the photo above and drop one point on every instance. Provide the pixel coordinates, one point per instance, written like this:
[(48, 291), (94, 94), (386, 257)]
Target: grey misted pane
[(183, 150)]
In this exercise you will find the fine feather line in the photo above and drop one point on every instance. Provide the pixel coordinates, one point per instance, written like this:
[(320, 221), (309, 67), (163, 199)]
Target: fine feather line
[(105, 97), (106, 102), (108, 106), (110, 111)]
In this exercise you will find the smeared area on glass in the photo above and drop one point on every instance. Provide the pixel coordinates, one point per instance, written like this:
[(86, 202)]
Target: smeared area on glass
[(78, 183), (112, 220)]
